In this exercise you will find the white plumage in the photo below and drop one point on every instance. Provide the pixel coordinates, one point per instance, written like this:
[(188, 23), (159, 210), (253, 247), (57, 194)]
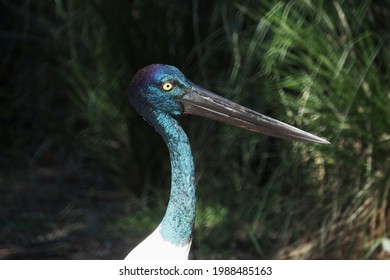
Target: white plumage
[(155, 247)]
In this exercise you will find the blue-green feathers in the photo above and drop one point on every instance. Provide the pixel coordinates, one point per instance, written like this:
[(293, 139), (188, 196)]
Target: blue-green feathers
[(152, 92)]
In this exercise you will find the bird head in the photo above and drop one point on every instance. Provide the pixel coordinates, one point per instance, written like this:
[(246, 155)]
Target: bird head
[(164, 88), (158, 87)]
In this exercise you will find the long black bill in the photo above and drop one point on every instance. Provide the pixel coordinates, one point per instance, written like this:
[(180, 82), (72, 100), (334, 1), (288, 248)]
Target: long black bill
[(201, 102)]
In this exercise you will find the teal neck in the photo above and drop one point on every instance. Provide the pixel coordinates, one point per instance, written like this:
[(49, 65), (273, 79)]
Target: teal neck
[(178, 221)]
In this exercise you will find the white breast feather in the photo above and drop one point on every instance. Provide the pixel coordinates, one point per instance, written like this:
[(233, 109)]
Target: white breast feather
[(154, 247)]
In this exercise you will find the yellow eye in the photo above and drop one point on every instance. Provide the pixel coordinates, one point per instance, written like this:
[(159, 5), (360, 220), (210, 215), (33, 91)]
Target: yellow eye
[(167, 86)]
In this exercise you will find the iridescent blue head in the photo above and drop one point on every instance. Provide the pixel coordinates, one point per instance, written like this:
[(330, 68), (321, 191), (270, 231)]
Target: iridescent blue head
[(157, 87), (163, 89)]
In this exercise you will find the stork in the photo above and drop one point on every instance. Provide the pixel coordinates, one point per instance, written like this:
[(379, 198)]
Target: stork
[(160, 93)]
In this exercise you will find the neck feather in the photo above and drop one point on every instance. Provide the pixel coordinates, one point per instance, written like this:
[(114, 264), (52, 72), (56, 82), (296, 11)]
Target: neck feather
[(178, 221)]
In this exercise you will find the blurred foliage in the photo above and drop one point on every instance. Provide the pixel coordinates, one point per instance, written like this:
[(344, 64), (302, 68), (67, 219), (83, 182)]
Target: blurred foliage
[(320, 65)]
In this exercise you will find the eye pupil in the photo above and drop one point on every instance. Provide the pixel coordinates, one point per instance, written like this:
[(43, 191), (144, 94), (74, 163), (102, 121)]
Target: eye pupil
[(167, 86)]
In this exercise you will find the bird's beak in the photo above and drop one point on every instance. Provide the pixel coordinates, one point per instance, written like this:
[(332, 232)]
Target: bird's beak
[(201, 102)]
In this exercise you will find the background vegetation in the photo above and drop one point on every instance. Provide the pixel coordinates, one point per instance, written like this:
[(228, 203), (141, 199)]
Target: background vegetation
[(83, 177)]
